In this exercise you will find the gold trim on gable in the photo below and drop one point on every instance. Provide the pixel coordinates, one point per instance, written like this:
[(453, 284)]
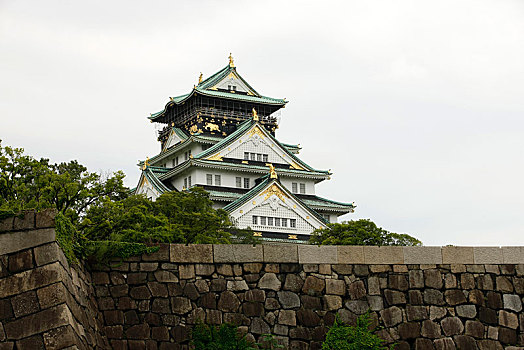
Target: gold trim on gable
[(256, 130), (216, 157), (274, 190)]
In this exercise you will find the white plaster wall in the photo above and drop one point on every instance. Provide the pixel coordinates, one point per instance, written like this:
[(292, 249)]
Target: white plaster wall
[(287, 182)]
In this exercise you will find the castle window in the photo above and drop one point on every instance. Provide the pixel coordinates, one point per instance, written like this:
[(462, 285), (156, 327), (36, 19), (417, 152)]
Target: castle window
[(238, 182), (302, 188), (270, 221), (217, 180), (284, 222), (246, 155), (264, 156), (259, 157), (185, 182), (255, 220), (277, 221), (325, 216), (209, 179), (293, 223), (175, 162), (253, 156), (246, 182), (263, 220), (189, 181), (294, 187)]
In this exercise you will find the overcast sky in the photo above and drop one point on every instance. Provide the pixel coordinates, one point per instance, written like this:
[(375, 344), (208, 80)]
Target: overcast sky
[(416, 106)]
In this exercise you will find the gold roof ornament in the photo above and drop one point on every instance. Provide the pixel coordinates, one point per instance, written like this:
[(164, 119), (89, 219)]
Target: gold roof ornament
[(255, 114), (231, 63), (272, 171), (200, 78), (146, 164)]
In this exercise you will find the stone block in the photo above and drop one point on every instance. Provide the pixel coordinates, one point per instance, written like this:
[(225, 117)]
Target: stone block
[(31, 279), (20, 261), (334, 287), (7, 224), (474, 329), (39, 322), (430, 329), (313, 254), (331, 302), (415, 297), (60, 338), (162, 254), (422, 255), (186, 272), (409, 330), (313, 286), (237, 286), (237, 253), (25, 303), (269, 281), (457, 255), (383, 255), (512, 302), (513, 255), (280, 253), (228, 302), (294, 283), (46, 254), (508, 319), (466, 311), (192, 253), (288, 300), (45, 218), (25, 221), (391, 316), (488, 255), (11, 242), (288, 318), (444, 344), (452, 326)]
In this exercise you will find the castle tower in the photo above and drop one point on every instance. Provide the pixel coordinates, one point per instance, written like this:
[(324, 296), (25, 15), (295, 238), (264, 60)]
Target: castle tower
[(221, 136)]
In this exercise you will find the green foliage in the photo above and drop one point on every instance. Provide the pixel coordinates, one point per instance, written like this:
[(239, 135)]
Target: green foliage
[(27, 183), (105, 252), (175, 217), (360, 232), (268, 341), (223, 337), (359, 337), (67, 237)]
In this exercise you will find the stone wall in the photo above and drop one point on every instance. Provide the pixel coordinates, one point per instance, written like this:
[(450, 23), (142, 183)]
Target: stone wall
[(465, 298), (44, 302), (419, 297)]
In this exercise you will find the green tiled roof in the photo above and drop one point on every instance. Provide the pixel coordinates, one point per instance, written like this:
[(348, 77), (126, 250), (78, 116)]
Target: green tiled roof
[(153, 179), (203, 88), (323, 203), (240, 130), (224, 195)]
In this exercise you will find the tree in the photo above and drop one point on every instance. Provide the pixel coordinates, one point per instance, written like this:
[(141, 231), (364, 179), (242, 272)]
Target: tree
[(175, 217), (27, 183), (360, 232)]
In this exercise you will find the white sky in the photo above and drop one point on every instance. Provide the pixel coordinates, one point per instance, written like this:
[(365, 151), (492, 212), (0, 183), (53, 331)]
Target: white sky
[(416, 106)]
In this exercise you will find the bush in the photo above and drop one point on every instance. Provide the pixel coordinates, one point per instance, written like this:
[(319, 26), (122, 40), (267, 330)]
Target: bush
[(359, 337), (225, 337)]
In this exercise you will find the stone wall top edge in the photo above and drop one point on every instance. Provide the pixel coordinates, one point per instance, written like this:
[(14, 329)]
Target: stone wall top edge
[(371, 255)]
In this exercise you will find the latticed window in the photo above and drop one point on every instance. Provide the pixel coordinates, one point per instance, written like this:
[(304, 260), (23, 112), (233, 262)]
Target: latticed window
[(270, 221), (265, 157), (302, 188), (246, 182), (293, 223), (246, 155), (209, 179), (255, 220), (189, 181), (253, 156), (218, 180), (294, 188), (259, 157), (185, 182), (263, 220), (277, 221), (284, 222), (239, 181)]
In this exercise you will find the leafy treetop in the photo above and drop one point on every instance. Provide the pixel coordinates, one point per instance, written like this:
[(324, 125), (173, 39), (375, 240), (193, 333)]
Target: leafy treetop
[(360, 232)]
